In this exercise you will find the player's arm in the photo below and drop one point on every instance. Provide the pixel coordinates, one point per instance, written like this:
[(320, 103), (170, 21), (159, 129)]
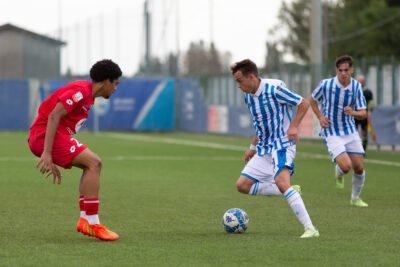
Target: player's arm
[(323, 121), (358, 114), (252, 149), (46, 159), (301, 111)]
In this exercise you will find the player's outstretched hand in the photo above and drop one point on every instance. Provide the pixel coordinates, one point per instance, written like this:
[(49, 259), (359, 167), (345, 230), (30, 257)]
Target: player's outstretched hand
[(248, 155), (49, 168)]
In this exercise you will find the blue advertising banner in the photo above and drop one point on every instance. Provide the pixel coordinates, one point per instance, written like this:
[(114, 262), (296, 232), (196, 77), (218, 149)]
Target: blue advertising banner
[(193, 111), (240, 121), (386, 124), (138, 104), (14, 105)]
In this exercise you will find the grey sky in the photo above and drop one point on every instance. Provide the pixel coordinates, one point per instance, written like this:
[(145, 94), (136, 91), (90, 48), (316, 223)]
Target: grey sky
[(96, 29)]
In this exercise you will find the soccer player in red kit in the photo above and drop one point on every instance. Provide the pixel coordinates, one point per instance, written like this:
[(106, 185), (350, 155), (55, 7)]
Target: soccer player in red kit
[(61, 115)]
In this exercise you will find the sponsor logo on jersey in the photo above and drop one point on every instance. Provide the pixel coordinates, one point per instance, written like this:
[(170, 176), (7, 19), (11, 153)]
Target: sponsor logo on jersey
[(69, 130), (79, 124), (78, 96)]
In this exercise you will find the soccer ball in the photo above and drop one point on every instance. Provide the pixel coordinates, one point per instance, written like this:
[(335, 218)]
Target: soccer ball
[(235, 221)]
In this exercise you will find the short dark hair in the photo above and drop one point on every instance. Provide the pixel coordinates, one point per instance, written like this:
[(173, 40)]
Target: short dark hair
[(246, 66), (105, 69), (344, 59)]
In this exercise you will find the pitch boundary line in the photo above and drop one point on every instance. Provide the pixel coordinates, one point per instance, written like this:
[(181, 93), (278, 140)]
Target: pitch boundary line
[(166, 140)]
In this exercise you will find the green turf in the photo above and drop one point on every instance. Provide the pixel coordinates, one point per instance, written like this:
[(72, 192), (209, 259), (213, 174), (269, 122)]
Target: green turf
[(166, 201)]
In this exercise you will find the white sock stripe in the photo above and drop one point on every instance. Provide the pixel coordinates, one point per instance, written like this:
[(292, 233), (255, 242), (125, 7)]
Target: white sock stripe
[(290, 193), (90, 201), (339, 170), (359, 176), (255, 189)]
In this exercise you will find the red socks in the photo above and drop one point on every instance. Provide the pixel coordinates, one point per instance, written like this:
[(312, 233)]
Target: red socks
[(91, 206)]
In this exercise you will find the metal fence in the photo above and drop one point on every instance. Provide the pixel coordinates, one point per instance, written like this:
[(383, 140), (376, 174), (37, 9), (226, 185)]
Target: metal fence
[(382, 78)]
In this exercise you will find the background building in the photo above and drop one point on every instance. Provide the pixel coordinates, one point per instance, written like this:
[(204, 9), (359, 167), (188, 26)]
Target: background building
[(25, 54)]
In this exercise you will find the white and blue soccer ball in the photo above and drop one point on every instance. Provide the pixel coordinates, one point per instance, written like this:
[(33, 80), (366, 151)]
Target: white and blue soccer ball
[(235, 221)]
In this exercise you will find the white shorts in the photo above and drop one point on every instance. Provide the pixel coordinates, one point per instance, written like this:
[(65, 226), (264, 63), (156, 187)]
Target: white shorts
[(338, 145), (266, 167)]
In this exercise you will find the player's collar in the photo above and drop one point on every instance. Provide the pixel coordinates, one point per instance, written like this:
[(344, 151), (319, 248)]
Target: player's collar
[(260, 88), (348, 87)]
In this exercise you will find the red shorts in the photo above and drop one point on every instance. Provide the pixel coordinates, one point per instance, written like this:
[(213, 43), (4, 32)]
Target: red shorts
[(65, 148)]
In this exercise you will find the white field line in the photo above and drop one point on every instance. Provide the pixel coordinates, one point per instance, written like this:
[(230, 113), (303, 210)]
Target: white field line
[(137, 158), (228, 147), (192, 143)]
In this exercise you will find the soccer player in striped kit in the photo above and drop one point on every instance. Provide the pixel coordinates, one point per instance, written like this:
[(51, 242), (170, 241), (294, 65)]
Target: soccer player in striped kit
[(269, 160), (61, 115), (342, 100)]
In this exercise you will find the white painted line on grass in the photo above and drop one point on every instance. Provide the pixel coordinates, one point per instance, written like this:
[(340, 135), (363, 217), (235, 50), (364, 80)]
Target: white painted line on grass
[(227, 147)]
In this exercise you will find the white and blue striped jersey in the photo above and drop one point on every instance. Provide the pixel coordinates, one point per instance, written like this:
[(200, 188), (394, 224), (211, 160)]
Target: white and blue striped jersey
[(272, 109), (334, 97)]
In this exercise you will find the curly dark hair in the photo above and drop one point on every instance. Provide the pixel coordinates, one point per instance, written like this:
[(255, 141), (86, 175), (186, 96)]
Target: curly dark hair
[(105, 69), (344, 59), (246, 66)]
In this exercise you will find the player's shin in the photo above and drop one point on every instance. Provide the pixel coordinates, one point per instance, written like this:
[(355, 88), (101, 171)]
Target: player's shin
[(358, 184), (296, 203)]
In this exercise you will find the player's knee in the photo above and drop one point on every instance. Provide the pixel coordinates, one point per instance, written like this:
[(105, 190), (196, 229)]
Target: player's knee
[(242, 187), (358, 170), (346, 167), (96, 163)]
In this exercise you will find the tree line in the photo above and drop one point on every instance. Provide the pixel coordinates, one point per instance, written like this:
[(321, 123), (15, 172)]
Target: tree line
[(360, 28)]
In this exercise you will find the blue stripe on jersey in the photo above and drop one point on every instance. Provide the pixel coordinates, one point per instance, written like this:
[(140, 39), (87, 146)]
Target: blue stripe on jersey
[(270, 137), (286, 99), (278, 110), (291, 95), (344, 115), (330, 106), (252, 107), (350, 119), (336, 111), (264, 120)]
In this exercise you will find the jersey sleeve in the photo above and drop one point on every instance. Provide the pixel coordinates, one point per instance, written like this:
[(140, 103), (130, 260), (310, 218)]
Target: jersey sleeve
[(318, 92), (72, 99), (286, 96), (360, 99)]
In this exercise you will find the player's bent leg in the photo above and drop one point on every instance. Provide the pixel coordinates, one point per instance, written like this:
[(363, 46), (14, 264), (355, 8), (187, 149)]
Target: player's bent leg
[(89, 186), (90, 180), (244, 184), (253, 187), (343, 167)]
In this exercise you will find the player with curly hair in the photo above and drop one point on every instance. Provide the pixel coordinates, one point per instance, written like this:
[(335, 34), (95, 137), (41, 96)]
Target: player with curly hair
[(61, 115)]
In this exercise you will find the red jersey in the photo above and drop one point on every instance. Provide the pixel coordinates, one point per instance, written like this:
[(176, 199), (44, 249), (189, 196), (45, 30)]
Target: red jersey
[(77, 99)]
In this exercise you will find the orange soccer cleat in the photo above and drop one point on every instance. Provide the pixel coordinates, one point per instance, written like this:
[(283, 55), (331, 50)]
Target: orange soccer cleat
[(81, 224), (99, 231)]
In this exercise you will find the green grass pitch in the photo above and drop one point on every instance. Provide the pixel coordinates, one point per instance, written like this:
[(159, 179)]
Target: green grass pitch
[(165, 195)]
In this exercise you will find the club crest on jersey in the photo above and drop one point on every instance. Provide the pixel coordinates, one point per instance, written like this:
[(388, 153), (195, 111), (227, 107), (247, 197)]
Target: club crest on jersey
[(78, 96)]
